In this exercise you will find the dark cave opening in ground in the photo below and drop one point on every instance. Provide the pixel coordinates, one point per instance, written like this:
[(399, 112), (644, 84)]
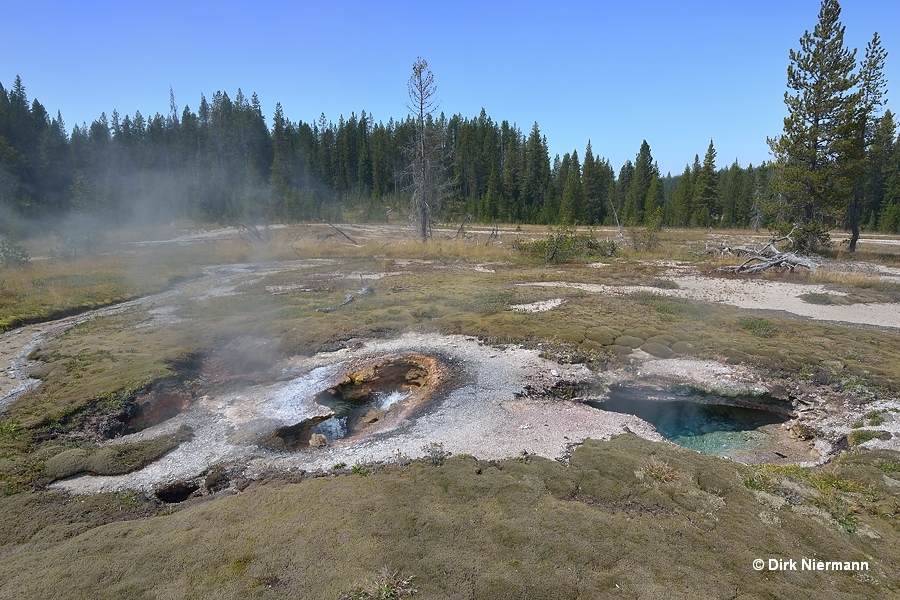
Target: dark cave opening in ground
[(176, 492)]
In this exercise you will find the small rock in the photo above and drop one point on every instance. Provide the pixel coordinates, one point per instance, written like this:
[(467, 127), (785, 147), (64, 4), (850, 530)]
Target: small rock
[(317, 440)]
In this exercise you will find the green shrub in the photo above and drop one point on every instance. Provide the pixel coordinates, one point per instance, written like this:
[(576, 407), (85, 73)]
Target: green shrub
[(566, 245), (435, 453), (647, 238), (817, 298), (664, 284), (12, 254), (875, 418), (660, 471)]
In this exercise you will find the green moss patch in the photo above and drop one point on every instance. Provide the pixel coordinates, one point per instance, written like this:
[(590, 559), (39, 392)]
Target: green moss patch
[(861, 436), (658, 350), (117, 459), (629, 341)]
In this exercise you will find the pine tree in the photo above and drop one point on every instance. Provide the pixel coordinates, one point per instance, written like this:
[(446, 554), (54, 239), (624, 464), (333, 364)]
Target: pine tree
[(511, 142), (731, 190), (706, 194), (535, 178), (636, 198), (597, 175), (571, 209), (280, 173), (889, 216), (682, 198), (623, 184), (878, 168), (656, 199), (810, 174), (870, 99)]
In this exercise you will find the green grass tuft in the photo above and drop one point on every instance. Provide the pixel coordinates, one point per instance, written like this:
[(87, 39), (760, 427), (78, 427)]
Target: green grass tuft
[(758, 326)]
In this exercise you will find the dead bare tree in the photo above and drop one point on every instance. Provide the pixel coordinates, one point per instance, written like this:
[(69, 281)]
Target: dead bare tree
[(616, 215), (430, 186), (495, 234)]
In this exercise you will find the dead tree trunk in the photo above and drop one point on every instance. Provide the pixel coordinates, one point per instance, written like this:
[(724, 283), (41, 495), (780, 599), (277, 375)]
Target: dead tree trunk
[(767, 257)]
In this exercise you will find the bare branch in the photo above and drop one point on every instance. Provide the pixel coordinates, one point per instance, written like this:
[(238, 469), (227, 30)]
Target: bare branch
[(352, 241)]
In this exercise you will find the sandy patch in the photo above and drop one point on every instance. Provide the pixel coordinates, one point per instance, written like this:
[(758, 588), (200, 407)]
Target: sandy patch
[(756, 294), (536, 307)]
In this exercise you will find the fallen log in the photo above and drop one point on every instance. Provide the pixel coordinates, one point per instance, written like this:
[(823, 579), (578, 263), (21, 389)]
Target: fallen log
[(786, 261), (338, 230), (767, 257), (253, 233)]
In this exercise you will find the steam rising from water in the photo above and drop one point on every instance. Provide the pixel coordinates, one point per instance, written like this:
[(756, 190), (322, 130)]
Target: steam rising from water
[(385, 400), (289, 404)]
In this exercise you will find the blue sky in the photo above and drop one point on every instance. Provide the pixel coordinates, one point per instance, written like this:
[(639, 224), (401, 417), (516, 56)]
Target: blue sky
[(676, 73)]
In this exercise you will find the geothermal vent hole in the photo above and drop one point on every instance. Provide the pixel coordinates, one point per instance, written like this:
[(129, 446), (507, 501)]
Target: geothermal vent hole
[(176, 492), (156, 406), (717, 429), (364, 397)]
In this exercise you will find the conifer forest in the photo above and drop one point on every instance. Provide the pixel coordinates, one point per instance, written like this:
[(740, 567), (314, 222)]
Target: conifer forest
[(226, 161)]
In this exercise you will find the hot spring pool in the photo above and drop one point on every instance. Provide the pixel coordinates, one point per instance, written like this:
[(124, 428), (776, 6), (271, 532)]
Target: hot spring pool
[(709, 428)]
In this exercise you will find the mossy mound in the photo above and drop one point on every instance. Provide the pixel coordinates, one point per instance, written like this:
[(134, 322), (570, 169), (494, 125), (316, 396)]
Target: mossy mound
[(664, 339), (572, 335), (658, 350), (117, 459), (638, 332), (625, 517), (629, 341), (67, 463), (602, 335), (683, 348), (591, 347)]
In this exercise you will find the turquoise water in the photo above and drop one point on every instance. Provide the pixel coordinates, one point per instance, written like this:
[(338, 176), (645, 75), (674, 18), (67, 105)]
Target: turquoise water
[(709, 428)]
